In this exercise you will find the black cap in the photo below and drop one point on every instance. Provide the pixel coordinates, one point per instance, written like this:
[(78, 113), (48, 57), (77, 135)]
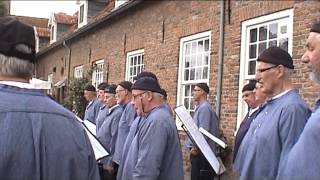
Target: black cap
[(147, 84), (277, 56), (315, 27), (102, 85), (90, 87), (146, 74), (250, 86), (204, 87), (14, 32), (126, 85), (111, 89)]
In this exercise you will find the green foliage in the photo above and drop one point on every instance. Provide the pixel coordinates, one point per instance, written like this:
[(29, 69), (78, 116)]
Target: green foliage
[(75, 100)]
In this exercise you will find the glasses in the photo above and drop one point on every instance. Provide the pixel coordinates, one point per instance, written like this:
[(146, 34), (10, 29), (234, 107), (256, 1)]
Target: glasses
[(117, 91), (134, 97), (266, 69)]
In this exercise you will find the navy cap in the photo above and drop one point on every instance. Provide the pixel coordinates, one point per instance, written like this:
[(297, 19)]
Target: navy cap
[(250, 86), (90, 87), (102, 85), (204, 87), (277, 56), (126, 85), (147, 84), (14, 32), (315, 27), (111, 89), (146, 74)]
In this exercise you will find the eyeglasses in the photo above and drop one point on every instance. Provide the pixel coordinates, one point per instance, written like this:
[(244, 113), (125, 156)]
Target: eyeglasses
[(117, 91), (266, 69), (134, 97)]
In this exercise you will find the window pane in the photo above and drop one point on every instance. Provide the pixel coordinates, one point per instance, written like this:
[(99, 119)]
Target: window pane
[(200, 46), (187, 63), (199, 60), (283, 29), (192, 74), (205, 73), (253, 51), (186, 103), (135, 60), (273, 43), (273, 30), (283, 43), (252, 68), (206, 45), (198, 73), (194, 47), (262, 47), (186, 75), (262, 33), (187, 48), (206, 59), (131, 61), (187, 90), (193, 60), (253, 35)]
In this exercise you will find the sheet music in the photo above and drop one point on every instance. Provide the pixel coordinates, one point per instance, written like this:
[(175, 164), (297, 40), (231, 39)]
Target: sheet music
[(198, 138), (213, 138), (98, 149)]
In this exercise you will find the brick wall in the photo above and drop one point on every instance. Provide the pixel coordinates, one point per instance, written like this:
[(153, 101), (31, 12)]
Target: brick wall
[(157, 27)]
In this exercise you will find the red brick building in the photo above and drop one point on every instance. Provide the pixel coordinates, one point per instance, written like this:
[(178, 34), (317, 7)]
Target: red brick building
[(183, 43)]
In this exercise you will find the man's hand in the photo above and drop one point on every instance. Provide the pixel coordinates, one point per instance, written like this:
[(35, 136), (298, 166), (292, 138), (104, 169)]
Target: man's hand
[(194, 151)]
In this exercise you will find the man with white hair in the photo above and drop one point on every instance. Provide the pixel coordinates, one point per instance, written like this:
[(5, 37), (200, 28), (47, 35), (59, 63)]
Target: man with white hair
[(39, 139), (303, 161)]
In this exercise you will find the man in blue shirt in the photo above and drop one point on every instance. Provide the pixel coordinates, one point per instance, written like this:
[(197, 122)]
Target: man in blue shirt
[(39, 139), (205, 117), (94, 104), (303, 161), (279, 124)]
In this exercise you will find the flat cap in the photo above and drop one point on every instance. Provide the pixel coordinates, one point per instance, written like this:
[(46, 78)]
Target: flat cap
[(204, 87), (12, 33), (146, 74), (315, 27), (90, 87), (250, 86), (147, 84), (277, 56), (111, 89), (126, 85)]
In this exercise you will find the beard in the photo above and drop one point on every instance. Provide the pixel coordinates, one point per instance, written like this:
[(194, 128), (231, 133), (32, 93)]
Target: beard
[(315, 76)]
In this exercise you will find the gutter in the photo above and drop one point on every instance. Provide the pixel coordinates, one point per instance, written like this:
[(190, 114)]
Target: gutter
[(89, 27), (220, 59)]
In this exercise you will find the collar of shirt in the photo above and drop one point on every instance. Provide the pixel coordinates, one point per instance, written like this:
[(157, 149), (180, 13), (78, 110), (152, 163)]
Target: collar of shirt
[(17, 84), (251, 111), (279, 95), (112, 108)]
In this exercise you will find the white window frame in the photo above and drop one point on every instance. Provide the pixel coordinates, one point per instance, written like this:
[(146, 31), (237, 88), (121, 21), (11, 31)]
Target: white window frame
[(50, 80), (97, 74), (139, 66), (181, 81), (78, 71), (53, 34), (85, 13), (246, 25), (118, 3), (37, 38)]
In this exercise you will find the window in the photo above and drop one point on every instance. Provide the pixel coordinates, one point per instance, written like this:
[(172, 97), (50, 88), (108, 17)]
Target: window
[(194, 63), (134, 64), (53, 32), (82, 15), (97, 75), (257, 35), (50, 78), (119, 3), (78, 72)]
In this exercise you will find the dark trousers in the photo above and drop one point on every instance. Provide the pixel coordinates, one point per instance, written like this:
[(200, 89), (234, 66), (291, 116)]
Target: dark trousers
[(200, 168), (105, 175)]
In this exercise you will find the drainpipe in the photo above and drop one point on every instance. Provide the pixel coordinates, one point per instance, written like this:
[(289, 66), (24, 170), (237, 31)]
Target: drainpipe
[(69, 61), (220, 58)]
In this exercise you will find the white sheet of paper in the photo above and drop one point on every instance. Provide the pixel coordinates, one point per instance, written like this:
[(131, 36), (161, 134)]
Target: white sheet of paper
[(198, 138), (92, 127), (213, 138), (98, 149)]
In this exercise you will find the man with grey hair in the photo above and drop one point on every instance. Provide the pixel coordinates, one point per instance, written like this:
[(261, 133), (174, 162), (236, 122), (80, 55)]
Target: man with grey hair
[(39, 138), (303, 161), (278, 125), (155, 151)]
